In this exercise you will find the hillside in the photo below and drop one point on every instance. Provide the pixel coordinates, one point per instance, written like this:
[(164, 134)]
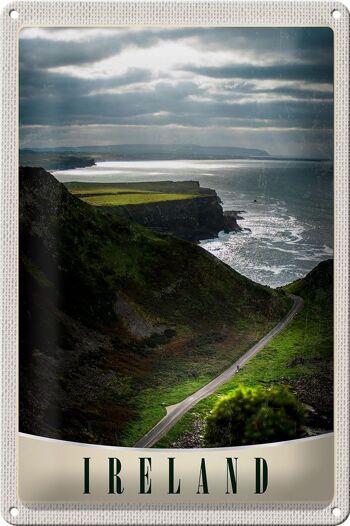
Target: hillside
[(317, 286), (116, 320), (170, 187), (54, 160), (300, 357)]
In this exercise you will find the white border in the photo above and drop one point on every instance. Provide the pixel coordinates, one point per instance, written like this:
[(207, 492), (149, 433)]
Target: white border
[(116, 448), (192, 12)]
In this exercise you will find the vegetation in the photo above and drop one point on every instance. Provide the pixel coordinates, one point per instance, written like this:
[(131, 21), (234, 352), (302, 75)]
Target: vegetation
[(167, 187), (185, 364), (121, 194), (254, 415), (300, 357), (125, 198), (97, 189), (126, 320)]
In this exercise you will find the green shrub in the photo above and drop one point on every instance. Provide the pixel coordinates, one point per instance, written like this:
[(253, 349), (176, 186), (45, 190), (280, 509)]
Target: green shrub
[(255, 416)]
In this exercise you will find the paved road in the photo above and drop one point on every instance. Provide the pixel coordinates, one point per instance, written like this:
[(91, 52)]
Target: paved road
[(175, 412)]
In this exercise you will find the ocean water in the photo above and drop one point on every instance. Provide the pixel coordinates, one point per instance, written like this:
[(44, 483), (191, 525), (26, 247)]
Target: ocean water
[(287, 208)]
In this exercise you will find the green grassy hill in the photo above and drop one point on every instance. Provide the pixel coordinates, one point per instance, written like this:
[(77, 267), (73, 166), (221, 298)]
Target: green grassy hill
[(117, 321), (120, 194), (126, 198), (167, 187), (301, 357)]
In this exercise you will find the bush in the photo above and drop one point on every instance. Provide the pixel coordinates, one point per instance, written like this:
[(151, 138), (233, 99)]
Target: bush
[(255, 416)]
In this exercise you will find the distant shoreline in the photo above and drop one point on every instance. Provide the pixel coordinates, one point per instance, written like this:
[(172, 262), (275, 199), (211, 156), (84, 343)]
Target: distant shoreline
[(58, 163), (68, 157)]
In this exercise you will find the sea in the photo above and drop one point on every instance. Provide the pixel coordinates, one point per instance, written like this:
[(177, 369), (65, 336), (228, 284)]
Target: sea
[(286, 208)]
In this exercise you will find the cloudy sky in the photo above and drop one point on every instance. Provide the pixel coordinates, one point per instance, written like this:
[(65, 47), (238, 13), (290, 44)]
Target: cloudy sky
[(250, 87)]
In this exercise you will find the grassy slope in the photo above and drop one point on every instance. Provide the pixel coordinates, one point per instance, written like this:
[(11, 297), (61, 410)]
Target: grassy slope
[(183, 187), (301, 356), (182, 370), (81, 191), (120, 194), (96, 379), (134, 199)]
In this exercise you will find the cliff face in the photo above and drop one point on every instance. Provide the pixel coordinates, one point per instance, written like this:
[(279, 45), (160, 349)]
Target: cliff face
[(182, 208), (191, 219)]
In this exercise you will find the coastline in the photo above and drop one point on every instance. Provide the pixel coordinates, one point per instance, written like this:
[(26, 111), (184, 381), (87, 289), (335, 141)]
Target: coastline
[(288, 235)]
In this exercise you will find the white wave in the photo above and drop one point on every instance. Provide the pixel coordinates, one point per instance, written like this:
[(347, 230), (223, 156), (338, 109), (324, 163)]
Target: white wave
[(275, 269)]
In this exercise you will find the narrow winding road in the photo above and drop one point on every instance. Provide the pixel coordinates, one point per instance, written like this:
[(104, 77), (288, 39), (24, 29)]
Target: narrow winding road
[(175, 412)]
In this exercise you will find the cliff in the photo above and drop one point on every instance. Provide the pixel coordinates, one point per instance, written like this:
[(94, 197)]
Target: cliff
[(182, 208), (190, 219)]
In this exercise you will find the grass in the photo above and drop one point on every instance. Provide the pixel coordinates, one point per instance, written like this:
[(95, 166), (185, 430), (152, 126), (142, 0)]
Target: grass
[(121, 194), (184, 366), (165, 187), (302, 351), (108, 189), (122, 199)]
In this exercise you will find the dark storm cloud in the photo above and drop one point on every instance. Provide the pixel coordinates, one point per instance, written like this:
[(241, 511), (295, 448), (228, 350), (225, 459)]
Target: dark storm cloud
[(299, 93), (41, 52), (176, 104), (49, 85), (45, 53), (315, 73), (275, 78), (304, 44), (299, 41)]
